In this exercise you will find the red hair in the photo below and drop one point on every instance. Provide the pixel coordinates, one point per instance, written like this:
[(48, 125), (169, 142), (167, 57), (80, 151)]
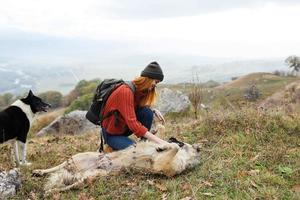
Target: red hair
[(144, 84)]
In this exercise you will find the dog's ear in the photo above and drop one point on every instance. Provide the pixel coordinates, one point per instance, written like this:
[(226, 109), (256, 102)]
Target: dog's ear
[(30, 94), (174, 140)]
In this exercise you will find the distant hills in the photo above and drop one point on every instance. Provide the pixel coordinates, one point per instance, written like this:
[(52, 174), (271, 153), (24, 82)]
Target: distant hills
[(18, 77), (43, 63)]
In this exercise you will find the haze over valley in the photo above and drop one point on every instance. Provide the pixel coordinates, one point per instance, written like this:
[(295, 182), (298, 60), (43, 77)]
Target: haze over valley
[(19, 77)]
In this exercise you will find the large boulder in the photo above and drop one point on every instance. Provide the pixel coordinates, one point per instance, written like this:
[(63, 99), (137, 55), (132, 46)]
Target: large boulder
[(9, 183), (73, 123), (172, 101)]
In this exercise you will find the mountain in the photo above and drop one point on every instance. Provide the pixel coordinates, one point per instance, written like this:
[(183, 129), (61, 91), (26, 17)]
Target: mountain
[(17, 77), (43, 62)]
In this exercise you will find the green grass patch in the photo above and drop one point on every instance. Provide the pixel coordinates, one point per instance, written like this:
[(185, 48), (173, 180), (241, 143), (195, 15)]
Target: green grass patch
[(246, 154)]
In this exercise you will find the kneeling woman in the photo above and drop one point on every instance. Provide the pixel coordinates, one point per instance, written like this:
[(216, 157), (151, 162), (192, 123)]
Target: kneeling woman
[(132, 111)]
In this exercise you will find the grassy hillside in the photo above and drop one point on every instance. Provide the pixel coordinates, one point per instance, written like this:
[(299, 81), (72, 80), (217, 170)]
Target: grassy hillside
[(287, 99), (258, 78), (231, 94), (245, 155)]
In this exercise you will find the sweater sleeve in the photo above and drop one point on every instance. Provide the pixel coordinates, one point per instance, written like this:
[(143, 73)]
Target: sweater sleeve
[(126, 109)]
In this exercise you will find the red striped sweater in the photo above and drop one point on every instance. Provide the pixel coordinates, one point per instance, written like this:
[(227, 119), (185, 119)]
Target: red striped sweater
[(125, 101)]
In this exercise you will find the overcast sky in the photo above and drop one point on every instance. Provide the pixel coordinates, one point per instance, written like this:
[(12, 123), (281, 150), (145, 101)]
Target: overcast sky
[(231, 28)]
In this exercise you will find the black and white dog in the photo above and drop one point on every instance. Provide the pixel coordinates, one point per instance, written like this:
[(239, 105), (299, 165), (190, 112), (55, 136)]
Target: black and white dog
[(15, 122)]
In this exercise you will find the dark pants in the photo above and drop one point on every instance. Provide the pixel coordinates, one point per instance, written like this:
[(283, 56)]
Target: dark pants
[(118, 142)]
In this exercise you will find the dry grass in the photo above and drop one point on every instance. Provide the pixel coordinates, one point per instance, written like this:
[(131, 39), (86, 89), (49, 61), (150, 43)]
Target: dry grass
[(287, 100), (44, 119), (245, 155), (231, 95)]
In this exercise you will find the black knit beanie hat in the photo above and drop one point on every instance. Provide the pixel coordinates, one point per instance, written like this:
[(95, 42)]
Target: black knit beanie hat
[(153, 70)]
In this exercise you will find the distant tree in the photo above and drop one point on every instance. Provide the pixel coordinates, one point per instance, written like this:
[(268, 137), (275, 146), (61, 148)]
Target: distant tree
[(72, 96), (6, 99), (52, 97), (280, 73), (294, 63), (252, 93), (210, 84), (196, 95), (82, 88), (81, 103)]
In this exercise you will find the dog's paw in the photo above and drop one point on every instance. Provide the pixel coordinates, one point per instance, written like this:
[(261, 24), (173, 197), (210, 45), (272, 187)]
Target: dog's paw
[(37, 172), (167, 146), (171, 146)]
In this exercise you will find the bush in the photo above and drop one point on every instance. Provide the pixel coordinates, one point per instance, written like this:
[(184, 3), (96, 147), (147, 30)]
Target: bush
[(252, 93), (82, 88), (280, 73), (5, 100), (196, 97), (81, 103), (52, 97)]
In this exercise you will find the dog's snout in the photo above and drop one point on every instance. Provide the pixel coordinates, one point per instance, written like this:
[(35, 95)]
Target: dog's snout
[(197, 147), (45, 106)]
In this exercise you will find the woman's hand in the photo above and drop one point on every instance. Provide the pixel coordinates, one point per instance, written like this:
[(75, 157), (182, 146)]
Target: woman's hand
[(154, 138), (159, 116)]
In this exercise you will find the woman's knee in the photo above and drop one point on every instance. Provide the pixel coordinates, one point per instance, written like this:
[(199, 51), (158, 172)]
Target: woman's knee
[(145, 113)]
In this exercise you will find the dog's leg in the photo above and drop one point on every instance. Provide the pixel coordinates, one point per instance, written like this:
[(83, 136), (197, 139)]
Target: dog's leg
[(77, 184), (23, 149), (41, 172), (16, 153), (86, 178)]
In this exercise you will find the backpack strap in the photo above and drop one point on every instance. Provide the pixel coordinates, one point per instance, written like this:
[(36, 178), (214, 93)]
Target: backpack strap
[(101, 143), (131, 86)]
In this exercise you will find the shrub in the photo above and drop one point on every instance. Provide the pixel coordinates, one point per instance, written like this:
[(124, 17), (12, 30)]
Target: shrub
[(196, 97), (5, 100), (52, 97), (252, 93), (280, 73), (81, 103), (82, 88)]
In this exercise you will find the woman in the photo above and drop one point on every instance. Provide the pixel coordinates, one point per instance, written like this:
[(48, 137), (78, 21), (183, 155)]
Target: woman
[(134, 114)]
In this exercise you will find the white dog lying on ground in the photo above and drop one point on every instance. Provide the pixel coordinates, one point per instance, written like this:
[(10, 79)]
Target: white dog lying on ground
[(144, 156)]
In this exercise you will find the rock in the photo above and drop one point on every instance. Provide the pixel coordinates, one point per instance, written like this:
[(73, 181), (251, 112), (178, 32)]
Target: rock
[(73, 123), (9, 183), (172, 101)]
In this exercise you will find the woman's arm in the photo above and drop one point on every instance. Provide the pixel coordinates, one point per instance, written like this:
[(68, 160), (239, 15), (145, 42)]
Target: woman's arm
[(158, 114), (154, 138)]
